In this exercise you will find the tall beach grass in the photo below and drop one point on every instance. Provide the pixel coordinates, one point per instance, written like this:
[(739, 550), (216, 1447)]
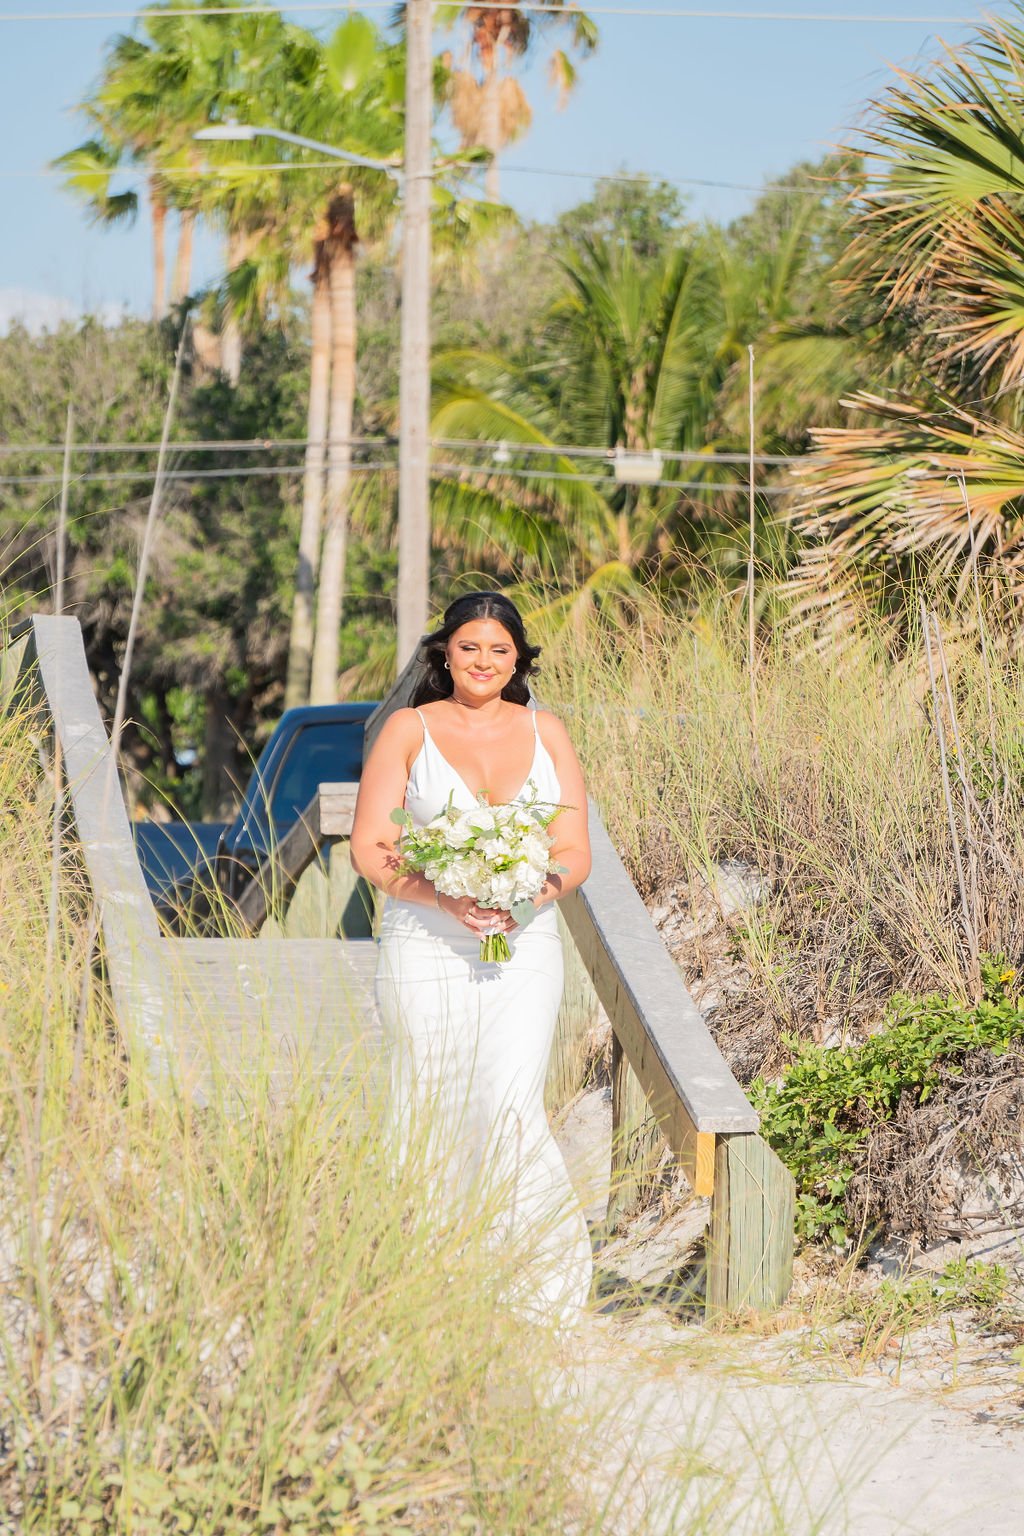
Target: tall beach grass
[(243, 1317), (829, 783)]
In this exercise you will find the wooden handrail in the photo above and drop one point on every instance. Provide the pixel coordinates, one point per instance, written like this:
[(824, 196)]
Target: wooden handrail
[(52, 669), (659, 1032), (328, 815)]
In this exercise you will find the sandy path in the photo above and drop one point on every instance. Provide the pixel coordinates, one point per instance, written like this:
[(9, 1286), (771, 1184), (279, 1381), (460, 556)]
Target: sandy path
[(710, 1435), (702, 1449)]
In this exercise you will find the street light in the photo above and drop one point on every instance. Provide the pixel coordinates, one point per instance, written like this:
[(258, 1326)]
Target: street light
[(243, 133), (415, 175)]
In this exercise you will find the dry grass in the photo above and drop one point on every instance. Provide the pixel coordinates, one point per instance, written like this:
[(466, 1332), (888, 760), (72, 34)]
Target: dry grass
[(833, 792), (241, 1318)]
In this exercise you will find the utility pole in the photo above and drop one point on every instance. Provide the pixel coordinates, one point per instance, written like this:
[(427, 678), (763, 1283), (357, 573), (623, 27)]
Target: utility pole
[(414, 383)]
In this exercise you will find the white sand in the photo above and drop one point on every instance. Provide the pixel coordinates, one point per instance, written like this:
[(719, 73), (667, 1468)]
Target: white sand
[(749, 1436)]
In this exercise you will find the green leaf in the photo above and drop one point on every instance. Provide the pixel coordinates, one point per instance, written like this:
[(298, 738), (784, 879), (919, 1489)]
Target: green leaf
[(400, 817), (351, 53), (524, 912)]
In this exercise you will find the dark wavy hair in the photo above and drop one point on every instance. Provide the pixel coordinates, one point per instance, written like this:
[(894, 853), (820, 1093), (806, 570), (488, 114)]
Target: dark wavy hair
[(436, 682)]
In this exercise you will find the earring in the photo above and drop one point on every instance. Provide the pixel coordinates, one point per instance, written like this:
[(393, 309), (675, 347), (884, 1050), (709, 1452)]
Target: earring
[(447, 667)]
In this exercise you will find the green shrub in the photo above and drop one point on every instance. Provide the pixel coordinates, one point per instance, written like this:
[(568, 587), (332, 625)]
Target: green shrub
[(828, 1101)]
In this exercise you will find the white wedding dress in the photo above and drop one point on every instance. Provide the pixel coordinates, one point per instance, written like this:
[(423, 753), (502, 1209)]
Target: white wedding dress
[(470, 1043)]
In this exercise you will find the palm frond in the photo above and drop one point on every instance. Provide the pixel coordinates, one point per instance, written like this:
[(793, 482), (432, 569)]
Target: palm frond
[(877, 502)]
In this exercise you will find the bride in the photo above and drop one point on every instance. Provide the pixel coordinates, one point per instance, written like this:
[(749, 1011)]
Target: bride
[(470, 1039)]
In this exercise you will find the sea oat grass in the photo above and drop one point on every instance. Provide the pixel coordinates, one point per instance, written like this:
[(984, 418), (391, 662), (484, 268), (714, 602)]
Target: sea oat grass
[(246, 1316), (833, 794)]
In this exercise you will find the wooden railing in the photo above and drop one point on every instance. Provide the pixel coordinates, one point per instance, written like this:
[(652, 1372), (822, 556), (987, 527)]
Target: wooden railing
[(667, 1069), (198, 1008), (326, 819)]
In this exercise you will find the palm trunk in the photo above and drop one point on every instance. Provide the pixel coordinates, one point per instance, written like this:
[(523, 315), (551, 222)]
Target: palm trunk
[(158, 212), (490, 120), (342, 279), (218, 754), (231, 330), (181, 282), (300, 645)]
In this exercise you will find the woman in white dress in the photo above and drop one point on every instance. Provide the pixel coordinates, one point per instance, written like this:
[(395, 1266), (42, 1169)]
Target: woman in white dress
[(470, 1039)]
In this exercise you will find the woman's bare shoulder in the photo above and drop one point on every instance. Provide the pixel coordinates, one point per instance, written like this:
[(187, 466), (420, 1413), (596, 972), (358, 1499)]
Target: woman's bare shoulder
[(552, 730), (402, 726)]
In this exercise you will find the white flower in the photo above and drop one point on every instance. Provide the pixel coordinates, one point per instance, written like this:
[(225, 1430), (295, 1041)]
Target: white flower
[(458, 832), (535, 848), (503, 887)]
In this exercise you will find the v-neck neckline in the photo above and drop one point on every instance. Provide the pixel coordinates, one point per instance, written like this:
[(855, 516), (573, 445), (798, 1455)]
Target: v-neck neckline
[(429, 737)]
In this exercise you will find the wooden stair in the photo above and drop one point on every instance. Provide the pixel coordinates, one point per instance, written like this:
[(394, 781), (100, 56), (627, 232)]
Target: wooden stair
[(202, 1008)]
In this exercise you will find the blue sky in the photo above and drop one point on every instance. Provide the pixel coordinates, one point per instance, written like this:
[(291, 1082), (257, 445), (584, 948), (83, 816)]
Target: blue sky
[(716, 100)]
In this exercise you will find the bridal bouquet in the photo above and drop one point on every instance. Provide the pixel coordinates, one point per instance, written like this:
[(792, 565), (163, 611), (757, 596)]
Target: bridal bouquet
[(498, 854)]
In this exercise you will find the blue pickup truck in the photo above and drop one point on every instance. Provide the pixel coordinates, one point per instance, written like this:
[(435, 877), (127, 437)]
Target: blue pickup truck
[(314, 745)]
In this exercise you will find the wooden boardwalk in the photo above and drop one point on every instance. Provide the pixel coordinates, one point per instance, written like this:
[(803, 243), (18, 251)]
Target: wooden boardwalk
[(196, 1007), (204, 1008)]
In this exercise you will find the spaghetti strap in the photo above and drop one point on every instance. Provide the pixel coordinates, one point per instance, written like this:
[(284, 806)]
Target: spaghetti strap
[(423, 722)]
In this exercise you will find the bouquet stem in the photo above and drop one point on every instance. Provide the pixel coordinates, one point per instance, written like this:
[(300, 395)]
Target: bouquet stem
[(494, 947)]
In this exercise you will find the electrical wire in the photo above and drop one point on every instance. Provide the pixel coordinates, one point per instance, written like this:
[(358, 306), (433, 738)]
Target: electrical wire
[(211, 172), (503, 471), (468, 444), (537, 7), (449, 469), (260, 471)]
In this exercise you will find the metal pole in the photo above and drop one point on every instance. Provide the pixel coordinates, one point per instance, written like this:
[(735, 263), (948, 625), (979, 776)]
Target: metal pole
[(414, 383)]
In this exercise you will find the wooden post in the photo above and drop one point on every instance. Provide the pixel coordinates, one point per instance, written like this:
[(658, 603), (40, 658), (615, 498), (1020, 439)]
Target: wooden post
[(750, 1244), (636, 1140), (414, 367)]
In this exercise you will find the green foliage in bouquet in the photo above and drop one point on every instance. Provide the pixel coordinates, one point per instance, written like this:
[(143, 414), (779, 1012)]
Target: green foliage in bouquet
[(497, 854)]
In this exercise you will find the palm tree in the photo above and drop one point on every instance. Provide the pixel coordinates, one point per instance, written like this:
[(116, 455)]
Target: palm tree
[(630, 360), (354, 99), (89, 172), (90, 169), (489, 107), (939, 252)]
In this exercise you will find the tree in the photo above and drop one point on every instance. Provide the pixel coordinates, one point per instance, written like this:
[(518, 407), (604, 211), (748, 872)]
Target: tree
[(356, 104), (627, 361), (649, 215), (489, 107), (937, 254)]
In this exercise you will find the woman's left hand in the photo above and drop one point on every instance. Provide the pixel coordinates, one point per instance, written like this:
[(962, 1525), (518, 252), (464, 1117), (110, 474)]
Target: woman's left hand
[(490, 920)]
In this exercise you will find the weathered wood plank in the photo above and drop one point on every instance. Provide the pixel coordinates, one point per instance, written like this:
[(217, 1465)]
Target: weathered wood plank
[(636, 1140), (12, 667), (269, 889), (127, 923), (669, 1046), (327, 818), (750, 1243), (337, 805), (329, 901), (281, 1005)]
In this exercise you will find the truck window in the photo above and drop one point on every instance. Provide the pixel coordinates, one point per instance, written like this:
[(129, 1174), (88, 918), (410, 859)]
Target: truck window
[(320, 754)]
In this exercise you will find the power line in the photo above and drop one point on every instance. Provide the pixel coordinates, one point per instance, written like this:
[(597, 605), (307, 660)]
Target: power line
[(211, 172), (338, 7), (114, 476), (469, 444), (503, 471), (461, 470), (628, 178)]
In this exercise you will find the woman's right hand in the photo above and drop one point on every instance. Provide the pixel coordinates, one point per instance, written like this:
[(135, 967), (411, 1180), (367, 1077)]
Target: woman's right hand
[(479, 920)]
